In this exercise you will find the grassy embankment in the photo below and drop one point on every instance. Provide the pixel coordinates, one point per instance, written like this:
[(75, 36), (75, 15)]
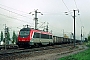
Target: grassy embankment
[(85, 55)]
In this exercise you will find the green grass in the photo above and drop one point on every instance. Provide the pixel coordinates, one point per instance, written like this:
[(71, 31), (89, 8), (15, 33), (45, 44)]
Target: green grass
[(85, 55), (88, 44)]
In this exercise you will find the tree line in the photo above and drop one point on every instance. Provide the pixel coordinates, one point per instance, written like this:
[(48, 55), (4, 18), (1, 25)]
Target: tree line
[(13, 39), (89, 38)]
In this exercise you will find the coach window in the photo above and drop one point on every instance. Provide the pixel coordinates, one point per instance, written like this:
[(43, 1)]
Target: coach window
[(45, 36), (36, 35), (50, 36), (42, 35)]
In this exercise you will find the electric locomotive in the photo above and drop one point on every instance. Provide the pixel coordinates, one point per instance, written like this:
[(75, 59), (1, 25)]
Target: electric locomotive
[(33, 37)]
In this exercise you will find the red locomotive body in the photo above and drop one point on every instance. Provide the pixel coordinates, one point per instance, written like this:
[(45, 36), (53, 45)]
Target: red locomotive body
[(31, 37)]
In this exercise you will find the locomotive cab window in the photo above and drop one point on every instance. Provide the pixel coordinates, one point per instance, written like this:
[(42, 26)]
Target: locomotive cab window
[(24, 33)]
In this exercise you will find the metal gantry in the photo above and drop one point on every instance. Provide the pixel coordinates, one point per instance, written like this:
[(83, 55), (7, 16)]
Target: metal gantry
[(74, 25), (36, 19), (81, 33)]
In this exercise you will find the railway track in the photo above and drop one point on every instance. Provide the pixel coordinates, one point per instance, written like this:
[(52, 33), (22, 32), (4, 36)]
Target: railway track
[(12, 54), (22, 50), (12, 46)]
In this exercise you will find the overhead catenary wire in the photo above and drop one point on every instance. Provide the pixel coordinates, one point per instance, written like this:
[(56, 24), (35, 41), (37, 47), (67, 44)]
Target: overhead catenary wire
[(14, 9), (75, 4), (74, 20), (69, 10), (28, 13), (79, 17), (15, 18), (81, 21), (12, 12), (78, 12), (81, 24), (65, 5), (50, 26)]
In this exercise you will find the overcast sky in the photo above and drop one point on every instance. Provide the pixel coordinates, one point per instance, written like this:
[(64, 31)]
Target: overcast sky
[(15, 13)]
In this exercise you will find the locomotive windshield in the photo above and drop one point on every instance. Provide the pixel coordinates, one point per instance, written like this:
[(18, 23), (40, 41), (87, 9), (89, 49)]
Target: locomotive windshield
[(24, 33)]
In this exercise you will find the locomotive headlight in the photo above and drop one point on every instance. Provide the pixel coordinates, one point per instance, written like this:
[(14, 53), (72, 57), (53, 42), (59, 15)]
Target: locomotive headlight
[(19, 40), (31, 41)]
